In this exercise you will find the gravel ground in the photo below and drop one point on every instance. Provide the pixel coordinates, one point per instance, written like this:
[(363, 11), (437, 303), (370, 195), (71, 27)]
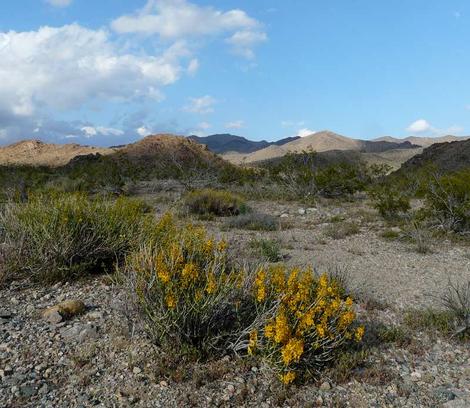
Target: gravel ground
[(103, 358)]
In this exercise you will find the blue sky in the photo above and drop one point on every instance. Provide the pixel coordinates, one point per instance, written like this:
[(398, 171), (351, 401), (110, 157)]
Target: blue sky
[(110, 71)]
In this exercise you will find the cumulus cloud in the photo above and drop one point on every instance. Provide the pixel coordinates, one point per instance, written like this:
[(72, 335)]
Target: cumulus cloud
[(91, 131), (305, 132), (143, 131), (204, 104), (181, 19), (59, 3), (419, 126), (237, 124), (193, 66), (204, 125), (422, 126)]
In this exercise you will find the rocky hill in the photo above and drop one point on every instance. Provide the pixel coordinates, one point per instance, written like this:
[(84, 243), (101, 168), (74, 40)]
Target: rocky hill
[(422, 141), (227, 143), (448, 156), (37, 153)]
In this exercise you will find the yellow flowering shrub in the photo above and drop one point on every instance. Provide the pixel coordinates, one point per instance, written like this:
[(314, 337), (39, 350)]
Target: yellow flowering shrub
[(185, 288), (310, 319)]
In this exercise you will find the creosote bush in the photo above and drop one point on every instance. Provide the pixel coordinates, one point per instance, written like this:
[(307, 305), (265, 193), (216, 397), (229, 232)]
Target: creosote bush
[(214, 202), (309, 321), (63, 236), (191, 298), (389, 202), (254, 222)]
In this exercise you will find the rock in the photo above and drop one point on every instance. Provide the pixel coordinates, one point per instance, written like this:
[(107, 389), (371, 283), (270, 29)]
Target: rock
[(415, 376), (311, 210), (230, 389), (66, 310), (301, 211), (5, 314), (27, 391), (137, 370), (7, 370), (95, 316), (284, 215), (79, 332), (325, 386)]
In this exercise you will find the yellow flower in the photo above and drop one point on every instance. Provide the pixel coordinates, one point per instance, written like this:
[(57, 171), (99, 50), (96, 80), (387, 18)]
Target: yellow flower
[(208, 246), (189, 273), (269, 331), (253, 341), (288, 377), (359, 333), (222, 246), (320, 330), (171, 301), (282, 328), (292, 351), (260, 285), (211, 284)]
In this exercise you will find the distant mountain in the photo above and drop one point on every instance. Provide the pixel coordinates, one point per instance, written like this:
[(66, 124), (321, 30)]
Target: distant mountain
[(320, 142), (447, 156), (422, 141), (227, 143), (38, 153)]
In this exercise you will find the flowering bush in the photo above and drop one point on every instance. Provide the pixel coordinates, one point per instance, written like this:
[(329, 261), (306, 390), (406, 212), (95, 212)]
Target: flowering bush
[(310, 319), (185, 288)]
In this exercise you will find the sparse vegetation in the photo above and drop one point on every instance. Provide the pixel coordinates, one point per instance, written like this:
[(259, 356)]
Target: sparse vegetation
[(214, 202), (269, 249), (254, 221), (341, 230), (456, 300), (62, 236)]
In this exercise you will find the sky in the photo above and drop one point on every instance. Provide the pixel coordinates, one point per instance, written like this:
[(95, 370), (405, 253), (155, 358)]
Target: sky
[(109, 72)]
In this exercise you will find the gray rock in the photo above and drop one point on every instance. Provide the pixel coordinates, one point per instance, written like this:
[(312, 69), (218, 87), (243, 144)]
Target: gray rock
[(27, 391), (301, 211), (5, 314)]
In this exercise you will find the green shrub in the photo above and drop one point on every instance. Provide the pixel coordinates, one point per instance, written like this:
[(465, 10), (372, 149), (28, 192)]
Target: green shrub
[(254, 222), (389, 202), (456, 300), (447, 201), (64, 236), (214, 202), (269, 249)]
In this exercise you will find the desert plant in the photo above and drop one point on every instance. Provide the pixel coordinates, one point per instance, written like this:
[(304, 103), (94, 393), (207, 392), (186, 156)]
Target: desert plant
[(309, 321), (447, 201), (187, 292), (389, 202), (456, 299), (63, 236), (269, 249), (254, 222), (342, 230), (214, 202), (421, 237)]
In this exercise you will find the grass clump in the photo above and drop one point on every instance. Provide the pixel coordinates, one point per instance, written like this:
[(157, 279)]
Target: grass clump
[(269, 249), (214, 202), (430, 319), (64, 236), (341, 230), (253, 222)]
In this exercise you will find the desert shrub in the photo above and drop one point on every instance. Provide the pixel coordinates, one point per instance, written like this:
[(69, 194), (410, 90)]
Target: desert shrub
[(389, 201), (421, 237), (254, 222), (447, 201), (269, 249), (429, 319), (214, 202), (309, 321), (456, 300), (340, 180), (188, 294), (64, 236), (342, 230)]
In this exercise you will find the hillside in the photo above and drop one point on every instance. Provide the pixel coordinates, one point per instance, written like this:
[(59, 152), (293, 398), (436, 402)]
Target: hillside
[(448, 156), (320, 142), (37, 153), (227, 143), (422, 141)]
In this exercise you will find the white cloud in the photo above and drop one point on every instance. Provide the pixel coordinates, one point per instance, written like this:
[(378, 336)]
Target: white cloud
[(243, 42), (181, 19), (305, 132), (201, 105), (91, 131), (193, 66), (422, 126), (237, 124), (143, 131), (419, 126), (59, 3)]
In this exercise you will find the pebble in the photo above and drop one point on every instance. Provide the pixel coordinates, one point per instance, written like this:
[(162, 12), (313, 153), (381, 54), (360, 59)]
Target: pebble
[(325, 386)]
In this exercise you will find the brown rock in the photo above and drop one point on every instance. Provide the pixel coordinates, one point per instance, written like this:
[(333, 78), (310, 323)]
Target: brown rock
[(64, 310)]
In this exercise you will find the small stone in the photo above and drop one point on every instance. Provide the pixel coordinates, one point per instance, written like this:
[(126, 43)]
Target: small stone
[(301, 211), (53, 317), (27, 391), (230, 389), (30, 309), (319, 401), (284, 215), (5, 314), (415, 376), (325, 386), (163, 384), (66, 309), (254, 369), (7, 370), (137, 370)]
